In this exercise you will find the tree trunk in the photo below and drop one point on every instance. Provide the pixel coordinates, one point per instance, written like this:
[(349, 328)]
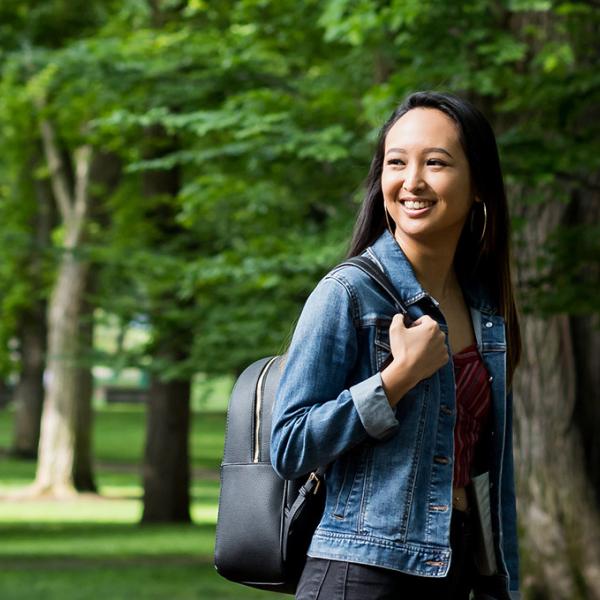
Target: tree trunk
[(64, 458), (558, 518), (166, 458), (29, 392), (83, 476), (56, 459), (56, 456), (585, 209), (586, 343)]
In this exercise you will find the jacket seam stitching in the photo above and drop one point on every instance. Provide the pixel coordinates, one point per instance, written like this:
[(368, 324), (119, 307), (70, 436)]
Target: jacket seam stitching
[(353, 298)]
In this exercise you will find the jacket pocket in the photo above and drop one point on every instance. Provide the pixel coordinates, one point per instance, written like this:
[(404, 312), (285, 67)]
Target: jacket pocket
[(351, 473), (391, 486)]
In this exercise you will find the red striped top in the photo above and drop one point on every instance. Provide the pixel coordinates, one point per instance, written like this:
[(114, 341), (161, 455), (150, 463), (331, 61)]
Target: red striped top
[(473, 404)]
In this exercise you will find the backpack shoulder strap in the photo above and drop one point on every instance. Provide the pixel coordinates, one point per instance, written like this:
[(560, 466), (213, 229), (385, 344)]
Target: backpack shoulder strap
[(376, 274)]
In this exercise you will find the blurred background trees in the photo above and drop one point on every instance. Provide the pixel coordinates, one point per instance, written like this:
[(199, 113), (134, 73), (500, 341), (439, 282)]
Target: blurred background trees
[(194, 167)]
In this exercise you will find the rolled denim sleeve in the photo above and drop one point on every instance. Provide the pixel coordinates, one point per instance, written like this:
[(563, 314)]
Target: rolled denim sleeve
[(374, 410), (316, 418)]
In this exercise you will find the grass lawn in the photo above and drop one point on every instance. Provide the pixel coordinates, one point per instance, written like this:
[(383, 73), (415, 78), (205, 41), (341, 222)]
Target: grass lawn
[(92, 547)]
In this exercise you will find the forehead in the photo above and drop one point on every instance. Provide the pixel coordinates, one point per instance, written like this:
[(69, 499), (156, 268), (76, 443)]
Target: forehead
[(421, 128)]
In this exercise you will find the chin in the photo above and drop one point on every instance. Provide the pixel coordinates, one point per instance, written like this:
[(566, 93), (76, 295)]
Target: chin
[(418, 234)]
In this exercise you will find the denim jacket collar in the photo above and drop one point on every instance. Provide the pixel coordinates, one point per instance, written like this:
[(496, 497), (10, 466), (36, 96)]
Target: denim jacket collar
[(397, 267)]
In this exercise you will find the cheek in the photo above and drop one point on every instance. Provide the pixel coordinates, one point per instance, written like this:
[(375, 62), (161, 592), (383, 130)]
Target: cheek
[(457, 191), (389, 182)]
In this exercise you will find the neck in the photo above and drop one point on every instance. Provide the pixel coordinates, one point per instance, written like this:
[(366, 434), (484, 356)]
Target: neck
[(433, 264)]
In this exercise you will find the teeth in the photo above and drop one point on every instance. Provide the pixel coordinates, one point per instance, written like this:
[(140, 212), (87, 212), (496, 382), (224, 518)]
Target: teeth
[(415, 204)]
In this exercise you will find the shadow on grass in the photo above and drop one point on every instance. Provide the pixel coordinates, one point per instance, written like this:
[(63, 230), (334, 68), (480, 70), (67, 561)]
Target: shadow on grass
[(99, 580), (116, 540), (79, 560)]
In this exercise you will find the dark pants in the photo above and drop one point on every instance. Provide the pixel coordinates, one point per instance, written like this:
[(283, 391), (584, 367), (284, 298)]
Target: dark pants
[(324, 579)]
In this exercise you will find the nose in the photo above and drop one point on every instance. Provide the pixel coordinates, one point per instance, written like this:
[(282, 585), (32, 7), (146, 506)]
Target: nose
[(413, 179)]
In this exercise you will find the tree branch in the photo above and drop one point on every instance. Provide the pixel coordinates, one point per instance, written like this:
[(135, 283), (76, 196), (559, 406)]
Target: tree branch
[(58, 176), (83, 159)]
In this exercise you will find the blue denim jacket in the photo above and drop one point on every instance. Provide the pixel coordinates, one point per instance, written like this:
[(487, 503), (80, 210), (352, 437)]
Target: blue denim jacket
[(389, 480)]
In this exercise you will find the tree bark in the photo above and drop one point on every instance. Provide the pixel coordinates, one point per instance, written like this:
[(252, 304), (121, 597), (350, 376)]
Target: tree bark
[(558, 517)]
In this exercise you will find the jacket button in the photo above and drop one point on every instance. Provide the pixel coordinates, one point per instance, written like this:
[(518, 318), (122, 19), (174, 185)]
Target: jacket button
[(446, 409), (442, 460), (489, 324)]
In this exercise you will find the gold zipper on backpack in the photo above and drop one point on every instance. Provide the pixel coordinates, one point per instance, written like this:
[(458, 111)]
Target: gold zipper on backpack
[(257, 409)]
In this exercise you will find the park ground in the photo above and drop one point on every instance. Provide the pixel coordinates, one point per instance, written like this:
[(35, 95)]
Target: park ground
[(93, 547)]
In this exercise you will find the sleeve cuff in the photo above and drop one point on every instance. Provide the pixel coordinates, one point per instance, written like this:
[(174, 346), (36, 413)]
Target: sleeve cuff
[(373, 407)]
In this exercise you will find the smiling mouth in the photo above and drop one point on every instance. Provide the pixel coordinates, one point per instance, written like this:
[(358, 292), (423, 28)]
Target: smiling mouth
[(417, 204)]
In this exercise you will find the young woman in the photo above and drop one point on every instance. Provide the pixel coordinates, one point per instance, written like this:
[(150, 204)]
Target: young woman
[(405, 417)]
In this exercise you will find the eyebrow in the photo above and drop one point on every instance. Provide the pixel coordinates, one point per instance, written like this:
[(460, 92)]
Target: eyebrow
[(432, 149)]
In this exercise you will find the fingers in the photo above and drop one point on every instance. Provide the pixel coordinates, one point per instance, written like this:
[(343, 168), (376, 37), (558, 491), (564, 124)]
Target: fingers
[(398, 320), (426, 320), (401, 322)]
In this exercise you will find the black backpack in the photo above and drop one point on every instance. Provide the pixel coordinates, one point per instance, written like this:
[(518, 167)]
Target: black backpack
[(265, 523)]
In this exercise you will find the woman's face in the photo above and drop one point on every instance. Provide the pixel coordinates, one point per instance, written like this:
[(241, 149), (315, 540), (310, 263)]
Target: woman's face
[(426, 179)]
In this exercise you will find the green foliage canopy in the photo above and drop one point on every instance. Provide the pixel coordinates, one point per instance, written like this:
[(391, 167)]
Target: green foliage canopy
[(264, 114)]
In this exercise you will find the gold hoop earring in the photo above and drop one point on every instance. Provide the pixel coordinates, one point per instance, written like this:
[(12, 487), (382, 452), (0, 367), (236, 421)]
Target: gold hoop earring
[(484, 221)]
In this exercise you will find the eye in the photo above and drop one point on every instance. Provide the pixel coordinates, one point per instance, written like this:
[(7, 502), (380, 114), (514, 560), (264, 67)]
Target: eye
[(436, 162), (395, 161)]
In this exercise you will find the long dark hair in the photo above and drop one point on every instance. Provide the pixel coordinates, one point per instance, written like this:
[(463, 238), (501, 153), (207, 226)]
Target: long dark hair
[(487, 261)]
